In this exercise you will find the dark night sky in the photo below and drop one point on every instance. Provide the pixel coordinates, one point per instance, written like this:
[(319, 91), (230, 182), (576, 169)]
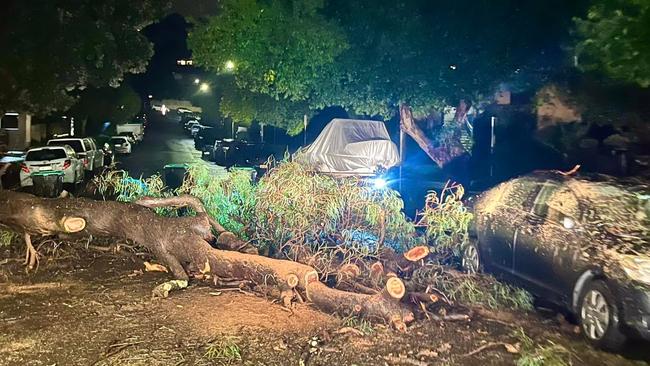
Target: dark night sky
[(169, 39)]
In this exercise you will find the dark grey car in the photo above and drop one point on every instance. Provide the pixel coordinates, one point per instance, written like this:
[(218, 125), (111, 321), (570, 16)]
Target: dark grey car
[(580, 242)]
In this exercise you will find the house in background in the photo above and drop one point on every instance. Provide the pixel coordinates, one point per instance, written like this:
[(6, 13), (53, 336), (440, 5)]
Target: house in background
[(17, 129), (18, 132)]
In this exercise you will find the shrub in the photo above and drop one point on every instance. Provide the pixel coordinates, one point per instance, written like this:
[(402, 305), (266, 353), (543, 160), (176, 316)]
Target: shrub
[(446, 220), (342, 217)]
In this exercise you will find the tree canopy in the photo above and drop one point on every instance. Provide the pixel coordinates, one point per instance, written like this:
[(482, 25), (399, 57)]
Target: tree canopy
[(614, 38), (375, 58), (53, 49), (370, 57), (116, 105)]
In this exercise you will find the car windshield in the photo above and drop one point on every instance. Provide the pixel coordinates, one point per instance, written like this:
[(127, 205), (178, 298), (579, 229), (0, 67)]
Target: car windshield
[(45, 154), (74, 144), (118, 140)]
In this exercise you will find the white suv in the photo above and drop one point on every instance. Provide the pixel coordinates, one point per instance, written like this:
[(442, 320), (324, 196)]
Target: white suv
[(86, 149), (51, 158)]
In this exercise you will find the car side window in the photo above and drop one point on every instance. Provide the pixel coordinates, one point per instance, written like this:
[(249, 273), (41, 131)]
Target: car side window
[(555, 203), (521, 194), (540, 206)]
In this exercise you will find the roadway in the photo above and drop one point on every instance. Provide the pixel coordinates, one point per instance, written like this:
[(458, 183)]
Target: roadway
[(164, 143)]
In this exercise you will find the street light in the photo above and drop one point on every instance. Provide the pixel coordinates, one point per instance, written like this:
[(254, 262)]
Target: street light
[(197, 81), (204, 87), (230, 65)]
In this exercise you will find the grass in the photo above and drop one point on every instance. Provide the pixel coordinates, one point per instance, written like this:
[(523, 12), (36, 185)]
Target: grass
[(7, 237), (474, 290), (362, 325), (223, 351), (546, 354)]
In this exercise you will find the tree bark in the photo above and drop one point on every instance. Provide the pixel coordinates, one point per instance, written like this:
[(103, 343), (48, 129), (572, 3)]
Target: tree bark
[(183, 245), (439, 154)]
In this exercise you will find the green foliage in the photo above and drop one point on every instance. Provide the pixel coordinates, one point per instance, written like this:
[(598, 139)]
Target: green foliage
[(476, 290), (549, 354), (230, 198), (245, 107), (342, 215), (613, 39), (278, 47), (446, 220), (57, 48), (369, 59), (7, 237), (223, 351), (118, 185)]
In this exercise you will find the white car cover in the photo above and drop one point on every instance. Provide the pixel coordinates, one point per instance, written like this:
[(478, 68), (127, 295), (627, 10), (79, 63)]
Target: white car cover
[(354, 147)]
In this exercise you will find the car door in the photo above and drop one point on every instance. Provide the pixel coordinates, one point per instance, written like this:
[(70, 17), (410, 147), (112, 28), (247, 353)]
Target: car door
[(548, 241), (93, 153), (499, 227)]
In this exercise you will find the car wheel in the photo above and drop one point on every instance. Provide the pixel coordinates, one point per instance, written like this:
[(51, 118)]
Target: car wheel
[(471, 260), (599, 317)]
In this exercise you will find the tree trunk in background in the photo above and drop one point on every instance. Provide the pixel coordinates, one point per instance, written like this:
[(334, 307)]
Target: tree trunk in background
[(407, 123), (183, 245)]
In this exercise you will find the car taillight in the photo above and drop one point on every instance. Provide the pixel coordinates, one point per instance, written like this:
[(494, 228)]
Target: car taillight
[(66, 164), (24, 168)]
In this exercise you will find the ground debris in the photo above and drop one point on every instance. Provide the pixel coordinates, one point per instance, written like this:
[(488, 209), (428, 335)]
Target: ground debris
[(402, 359), (165, 288)]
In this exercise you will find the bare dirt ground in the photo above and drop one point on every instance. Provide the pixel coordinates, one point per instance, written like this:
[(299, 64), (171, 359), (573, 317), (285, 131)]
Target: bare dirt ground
[(96, 309)]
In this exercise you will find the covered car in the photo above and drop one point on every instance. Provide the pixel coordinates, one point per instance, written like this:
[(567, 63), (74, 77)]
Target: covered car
[(352, 147)]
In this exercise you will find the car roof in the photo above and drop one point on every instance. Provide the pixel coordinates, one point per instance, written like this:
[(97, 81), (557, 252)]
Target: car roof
[(557, 177), (67, 139), (65, 147)]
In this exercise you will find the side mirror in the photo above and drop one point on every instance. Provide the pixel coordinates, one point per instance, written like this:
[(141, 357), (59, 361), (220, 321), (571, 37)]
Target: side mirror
[(568, 223)]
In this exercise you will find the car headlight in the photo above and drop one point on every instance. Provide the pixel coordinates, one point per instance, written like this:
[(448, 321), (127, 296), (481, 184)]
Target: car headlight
[(637, 268)]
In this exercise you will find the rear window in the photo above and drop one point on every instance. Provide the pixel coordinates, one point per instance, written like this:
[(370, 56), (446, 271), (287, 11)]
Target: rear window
[(118, 140), (46, 154), (74, 144)]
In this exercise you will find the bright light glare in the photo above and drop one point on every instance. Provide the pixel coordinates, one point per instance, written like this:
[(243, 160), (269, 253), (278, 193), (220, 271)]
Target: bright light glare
[(204, 87), (230, 65), (164, 110), (379, 183), (197, 81)]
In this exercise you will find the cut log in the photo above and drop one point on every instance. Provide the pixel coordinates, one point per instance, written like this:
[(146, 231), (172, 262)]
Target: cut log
[(417, 253), (402, 263), (182, 245)]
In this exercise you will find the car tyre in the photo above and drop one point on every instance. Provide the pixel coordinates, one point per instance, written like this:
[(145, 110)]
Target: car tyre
[(471, 259), (599, 317)]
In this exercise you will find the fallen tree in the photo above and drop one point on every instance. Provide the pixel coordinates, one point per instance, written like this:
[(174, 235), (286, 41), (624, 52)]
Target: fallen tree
[(183, 244)]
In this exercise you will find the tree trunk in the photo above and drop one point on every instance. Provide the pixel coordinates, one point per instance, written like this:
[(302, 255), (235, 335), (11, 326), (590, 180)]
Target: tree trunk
[(407, 123), (183, 245)]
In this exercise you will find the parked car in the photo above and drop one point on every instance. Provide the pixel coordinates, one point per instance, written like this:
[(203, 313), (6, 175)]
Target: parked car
[(186, 117), (135, 130), (86, 149), (49, 158), (580, 242), (205, 138), (229, 152), (189, 124), (130, 136), (121, 144), (194, 129), (349, 147)]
